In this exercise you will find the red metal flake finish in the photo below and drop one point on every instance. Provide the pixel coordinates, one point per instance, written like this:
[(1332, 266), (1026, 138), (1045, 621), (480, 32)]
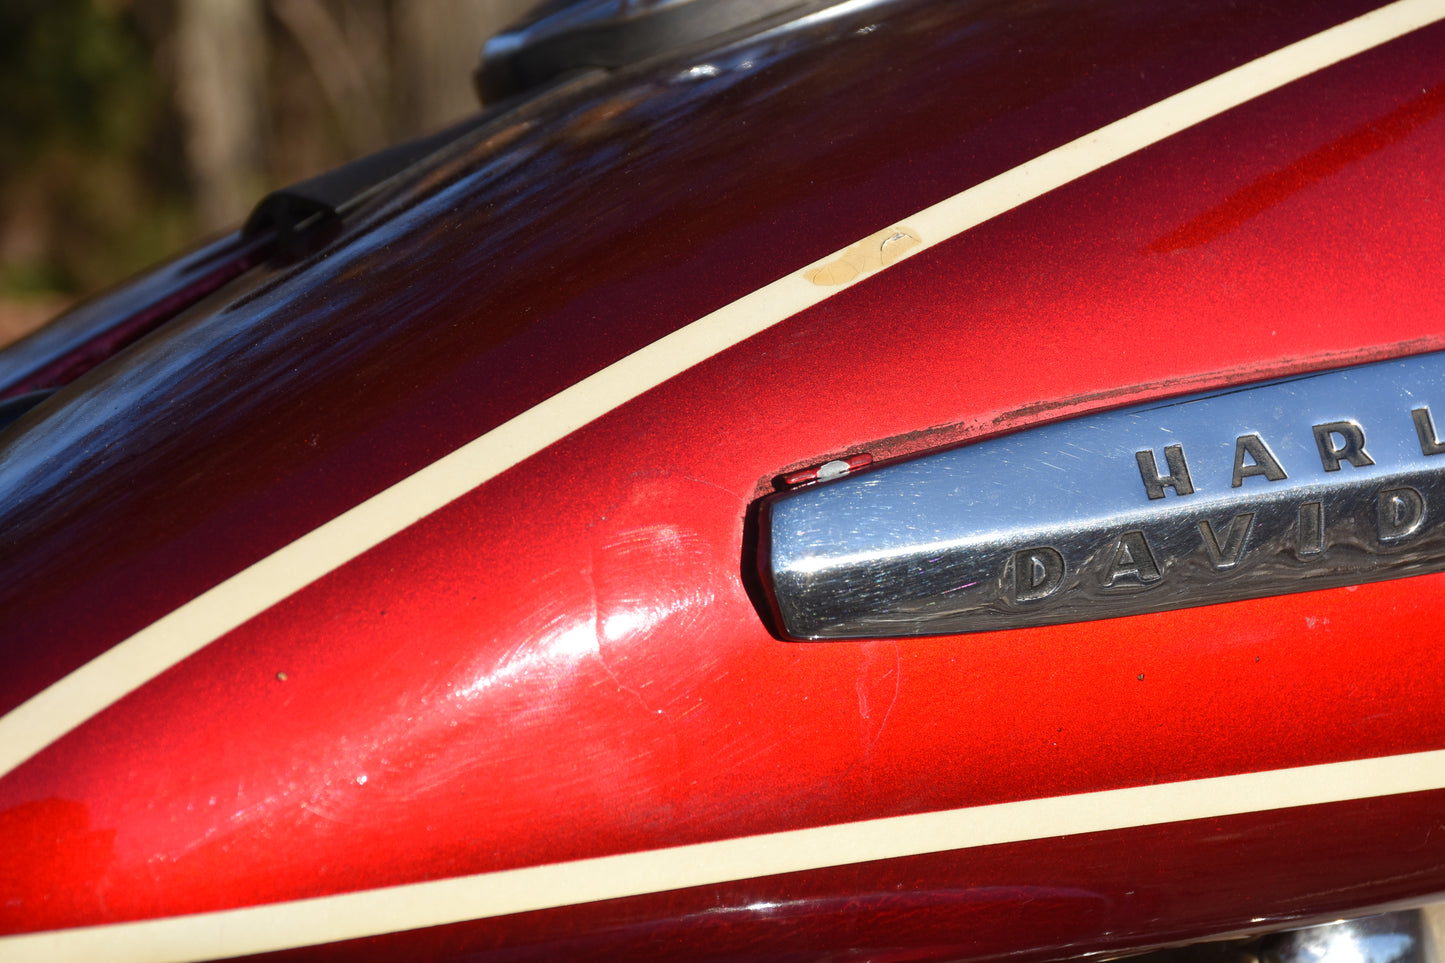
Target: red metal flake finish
[(566, 663)]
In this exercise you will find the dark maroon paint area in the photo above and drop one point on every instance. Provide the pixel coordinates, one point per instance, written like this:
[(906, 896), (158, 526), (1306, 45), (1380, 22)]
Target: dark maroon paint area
[(92, 333)]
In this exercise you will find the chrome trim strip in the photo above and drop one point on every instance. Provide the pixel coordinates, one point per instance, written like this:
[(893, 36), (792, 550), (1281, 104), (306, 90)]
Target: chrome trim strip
[(1400, 937), (1289, 486)]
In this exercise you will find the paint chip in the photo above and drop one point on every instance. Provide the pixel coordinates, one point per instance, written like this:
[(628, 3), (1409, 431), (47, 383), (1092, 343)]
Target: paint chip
[(873, 253)]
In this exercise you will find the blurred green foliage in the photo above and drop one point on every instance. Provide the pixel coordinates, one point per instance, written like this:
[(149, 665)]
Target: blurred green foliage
[(91, 182)]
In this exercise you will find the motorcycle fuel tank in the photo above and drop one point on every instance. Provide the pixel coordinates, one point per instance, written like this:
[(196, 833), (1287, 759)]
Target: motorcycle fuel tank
[(421, 595)]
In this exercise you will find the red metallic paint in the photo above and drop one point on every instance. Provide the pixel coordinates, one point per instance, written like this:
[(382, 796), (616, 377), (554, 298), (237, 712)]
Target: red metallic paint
[(566, 662)]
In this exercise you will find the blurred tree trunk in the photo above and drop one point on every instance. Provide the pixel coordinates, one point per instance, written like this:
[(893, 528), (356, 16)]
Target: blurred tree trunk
[(438, 43), (347, 57), (221, 92), (344, 78)]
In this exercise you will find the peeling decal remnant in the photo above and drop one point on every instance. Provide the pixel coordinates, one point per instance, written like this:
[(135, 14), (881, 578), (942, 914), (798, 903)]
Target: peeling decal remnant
[(873, 253)]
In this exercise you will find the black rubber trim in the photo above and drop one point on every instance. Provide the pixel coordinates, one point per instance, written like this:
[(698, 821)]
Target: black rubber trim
[(303, 209)]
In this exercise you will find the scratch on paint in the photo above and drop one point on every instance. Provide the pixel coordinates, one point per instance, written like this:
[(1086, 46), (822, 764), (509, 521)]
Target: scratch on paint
[(620, 684), (597, 634), (873, 253), (320, 813), (864, 709), (893, 700)]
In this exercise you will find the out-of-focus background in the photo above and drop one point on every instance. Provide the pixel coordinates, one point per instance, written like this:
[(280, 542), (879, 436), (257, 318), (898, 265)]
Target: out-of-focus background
[(131, 128)]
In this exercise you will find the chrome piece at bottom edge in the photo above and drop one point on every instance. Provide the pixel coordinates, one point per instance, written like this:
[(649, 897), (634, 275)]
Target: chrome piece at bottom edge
[(1287, 486), (1400, 937)]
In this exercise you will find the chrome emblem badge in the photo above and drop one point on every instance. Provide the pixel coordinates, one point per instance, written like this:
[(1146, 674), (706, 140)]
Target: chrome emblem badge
[(1287, 486)]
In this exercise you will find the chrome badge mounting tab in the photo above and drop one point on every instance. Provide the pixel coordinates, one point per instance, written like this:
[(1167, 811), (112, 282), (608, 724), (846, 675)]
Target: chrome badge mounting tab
[(1287, 486)]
